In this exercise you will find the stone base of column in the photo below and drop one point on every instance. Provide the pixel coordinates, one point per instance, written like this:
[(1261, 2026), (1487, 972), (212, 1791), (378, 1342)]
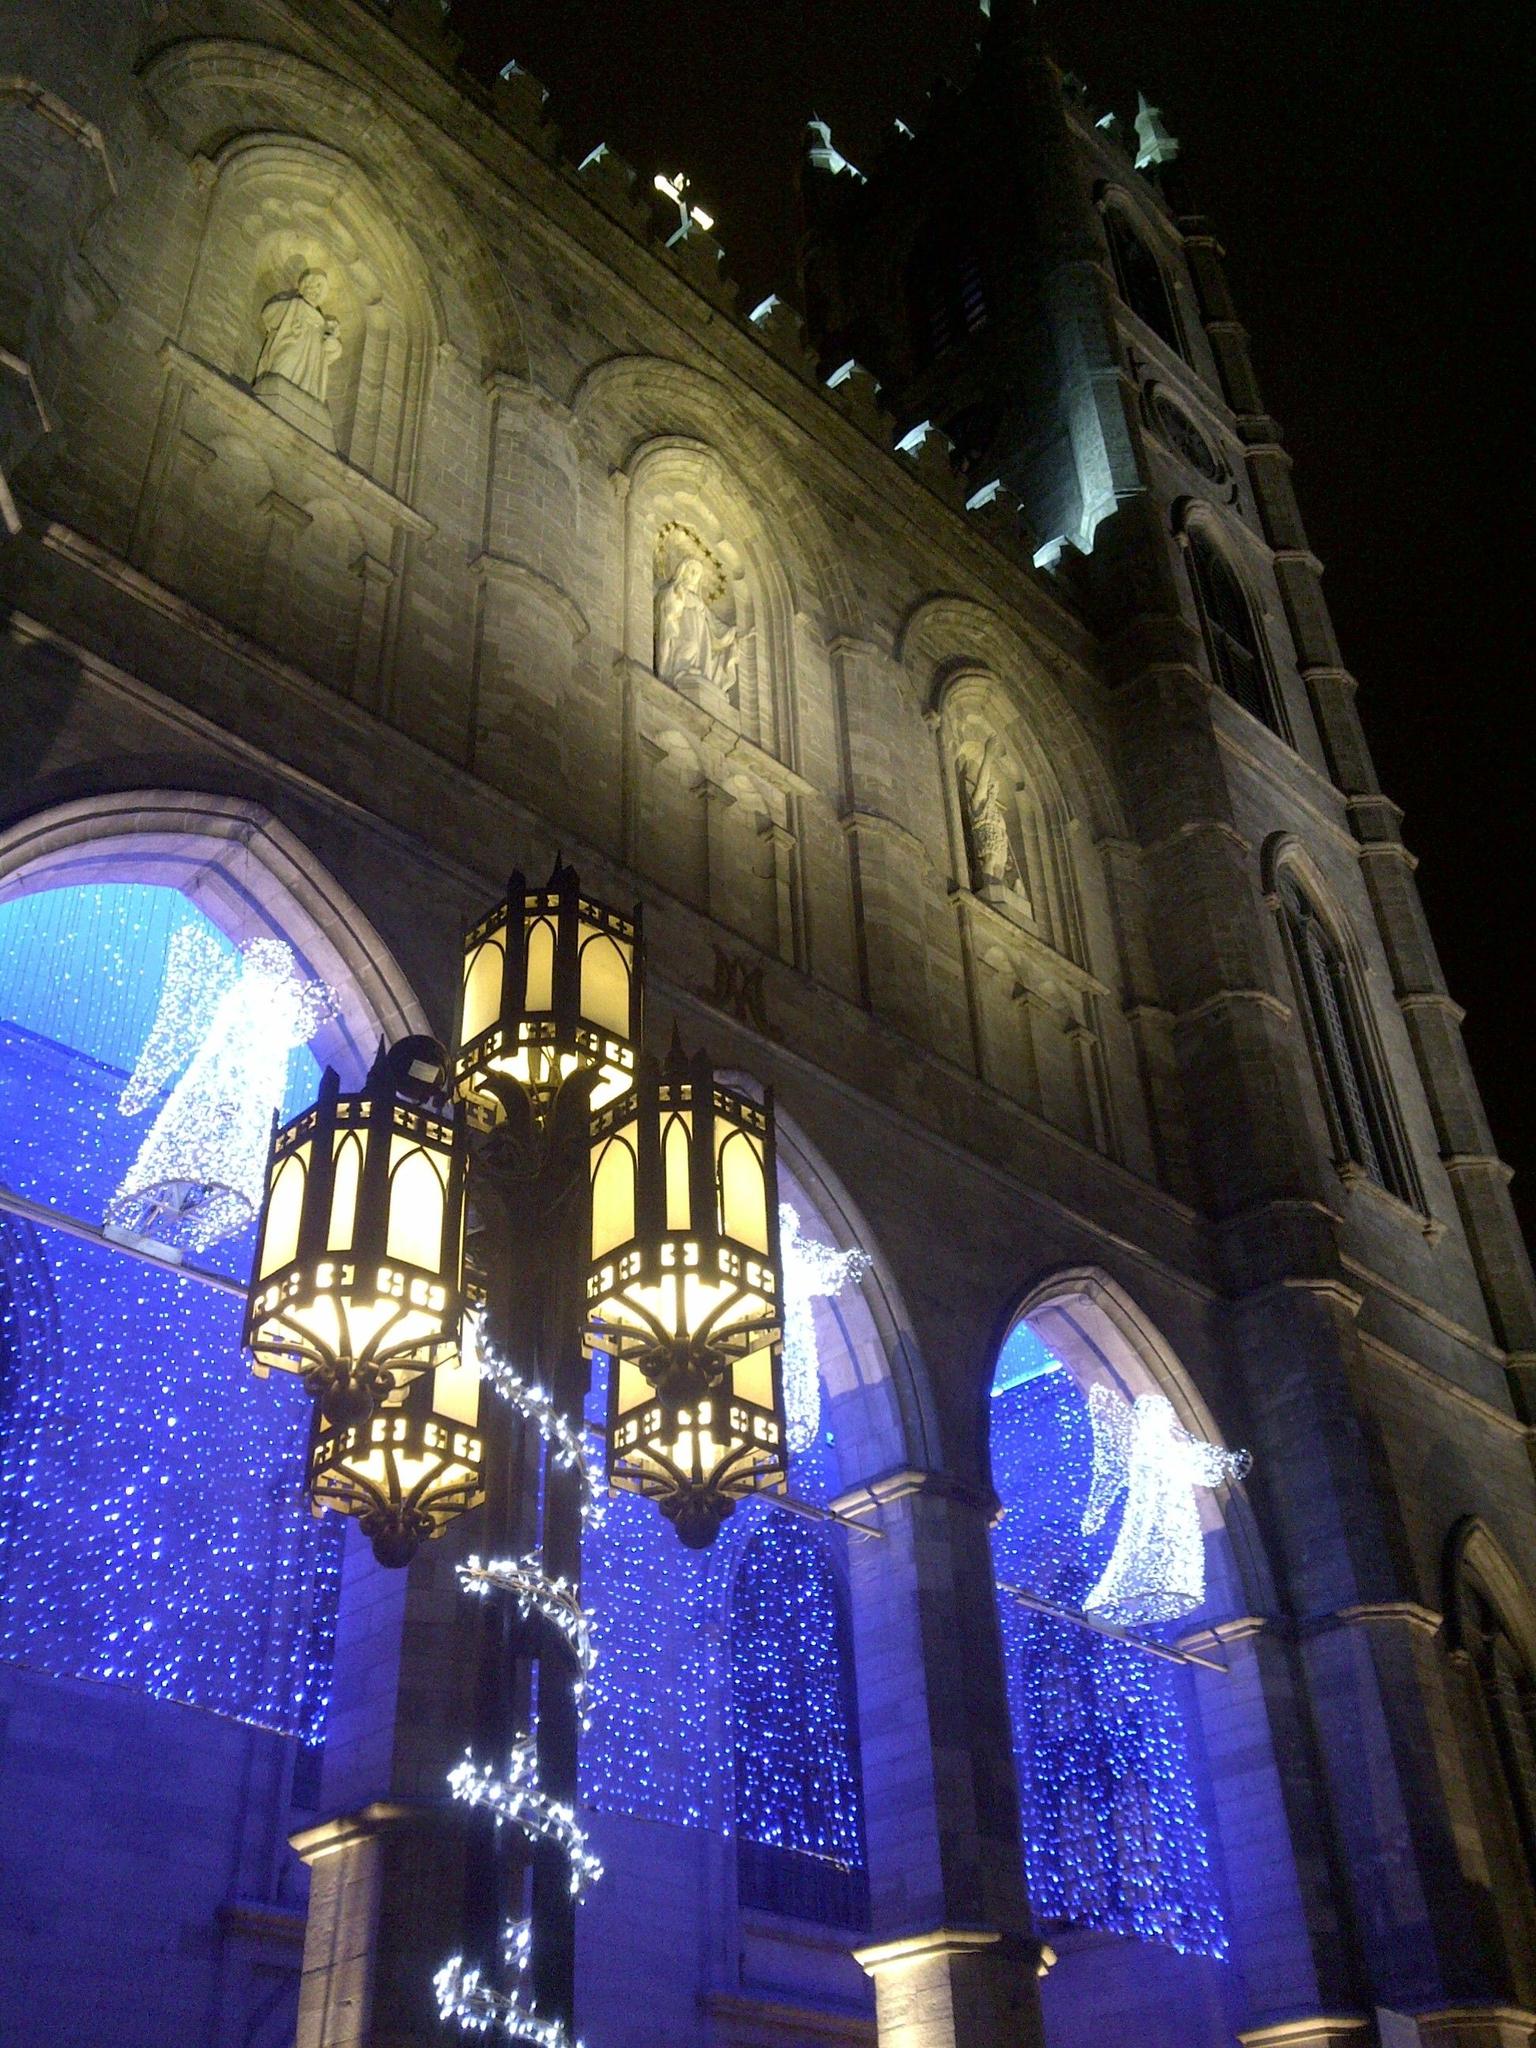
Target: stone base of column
[(954, 1988), (1468, 2026), (385, 1910), (1323, 2031)]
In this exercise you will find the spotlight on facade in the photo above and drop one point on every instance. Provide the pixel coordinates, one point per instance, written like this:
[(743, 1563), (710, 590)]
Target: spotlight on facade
[(552, 983), (357, 1283), (684, 1293)]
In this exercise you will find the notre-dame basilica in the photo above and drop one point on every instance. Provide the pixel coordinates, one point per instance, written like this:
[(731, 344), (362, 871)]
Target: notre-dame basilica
[(390, 501)]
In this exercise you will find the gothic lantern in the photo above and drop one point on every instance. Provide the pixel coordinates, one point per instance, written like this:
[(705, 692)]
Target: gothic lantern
[(406, 1469), (357, 1283), (552, 982), (683, 1292)]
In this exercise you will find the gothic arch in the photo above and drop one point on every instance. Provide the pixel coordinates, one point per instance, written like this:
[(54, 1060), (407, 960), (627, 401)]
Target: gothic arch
[(1476, 1561), (1144, 275), (1242, 662), (213, 89), (1356, 1066), (281, 205), (246, 871), (684, 500), (1104, 1337), (629, 401), (946, 638)]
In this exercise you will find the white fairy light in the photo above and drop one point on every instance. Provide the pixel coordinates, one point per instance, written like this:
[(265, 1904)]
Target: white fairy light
[(228, 1031), (465, 1999), (567, 1446), (516, 1797), (555, 1600), (1156, 1571), (812, 1271)]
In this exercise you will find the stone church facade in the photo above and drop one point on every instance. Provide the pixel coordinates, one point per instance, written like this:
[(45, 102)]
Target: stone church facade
[(389, 503)]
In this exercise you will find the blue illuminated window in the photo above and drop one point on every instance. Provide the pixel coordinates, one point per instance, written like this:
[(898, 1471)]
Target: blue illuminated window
[(153, 1531), (1114, 1837), (723, 1695)]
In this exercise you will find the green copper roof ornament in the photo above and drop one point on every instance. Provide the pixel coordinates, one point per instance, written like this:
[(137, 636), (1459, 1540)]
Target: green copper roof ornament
[(1158, 147)]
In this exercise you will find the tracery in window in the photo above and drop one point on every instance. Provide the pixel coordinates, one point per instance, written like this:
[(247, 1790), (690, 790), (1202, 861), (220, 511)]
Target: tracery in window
[(1231, 634), (1360, 1112), (1140, 279)]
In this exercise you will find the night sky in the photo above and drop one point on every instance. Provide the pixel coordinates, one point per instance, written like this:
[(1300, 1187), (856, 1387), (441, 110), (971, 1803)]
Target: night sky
[(1362, 161)]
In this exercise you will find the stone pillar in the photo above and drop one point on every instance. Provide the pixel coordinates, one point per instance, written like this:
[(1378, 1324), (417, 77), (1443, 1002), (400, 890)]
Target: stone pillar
[(952, 1956), (1320, 2031), (385, 1913), (1469, 2026)]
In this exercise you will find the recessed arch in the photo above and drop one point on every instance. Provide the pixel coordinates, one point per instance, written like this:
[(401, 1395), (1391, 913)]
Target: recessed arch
[(212, 90), (247, 872), (1104, 1337)]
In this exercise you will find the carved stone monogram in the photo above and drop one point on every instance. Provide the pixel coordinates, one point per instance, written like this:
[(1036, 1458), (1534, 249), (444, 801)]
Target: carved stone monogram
[(738, 990), (294, 367), (695, 648)]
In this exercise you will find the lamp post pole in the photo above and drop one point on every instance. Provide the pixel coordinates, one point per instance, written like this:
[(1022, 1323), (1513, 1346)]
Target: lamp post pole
[(532, 1203)]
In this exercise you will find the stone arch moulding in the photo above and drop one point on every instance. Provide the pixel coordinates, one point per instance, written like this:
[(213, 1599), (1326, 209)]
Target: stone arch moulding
[(901, 1425), (945, 639), (1476, 1560), (1103, 1336), (246, 871), (281, 205), (1284, 854), (210, 89), (628, 402)]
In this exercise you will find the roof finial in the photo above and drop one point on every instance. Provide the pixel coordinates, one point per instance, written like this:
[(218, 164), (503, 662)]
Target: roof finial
[(1157, 145)]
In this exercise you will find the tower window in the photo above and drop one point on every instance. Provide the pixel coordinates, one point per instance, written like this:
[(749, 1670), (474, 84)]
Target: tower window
[(1140, 280), (1231, 638), (948, 292), (1359, 1108)]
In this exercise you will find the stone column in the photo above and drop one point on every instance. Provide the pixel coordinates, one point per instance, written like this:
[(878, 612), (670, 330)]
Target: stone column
[(951, 1955)]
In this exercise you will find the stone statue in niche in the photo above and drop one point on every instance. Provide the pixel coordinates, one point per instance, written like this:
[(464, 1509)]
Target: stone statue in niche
[(694, 647), (994, 865), (292, 371)]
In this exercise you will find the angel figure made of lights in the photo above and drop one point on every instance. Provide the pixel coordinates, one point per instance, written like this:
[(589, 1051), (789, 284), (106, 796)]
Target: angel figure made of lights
[(226, 1026), (1156, 1571), (812, 1271)]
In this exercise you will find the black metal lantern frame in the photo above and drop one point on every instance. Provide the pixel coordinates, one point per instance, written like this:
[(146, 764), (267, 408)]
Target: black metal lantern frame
[(358, 1275), (553, 985), (685, 1302)]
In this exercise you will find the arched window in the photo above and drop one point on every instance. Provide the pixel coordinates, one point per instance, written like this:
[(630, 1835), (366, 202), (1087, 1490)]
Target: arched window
[(947, 290), (1140, 279), (1361, 1115), (1231, 636), (153, 1531), (1113, 1832), (1508, 1688)]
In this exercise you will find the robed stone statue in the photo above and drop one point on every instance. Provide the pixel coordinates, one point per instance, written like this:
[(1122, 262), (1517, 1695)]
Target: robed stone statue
[(302, 341)]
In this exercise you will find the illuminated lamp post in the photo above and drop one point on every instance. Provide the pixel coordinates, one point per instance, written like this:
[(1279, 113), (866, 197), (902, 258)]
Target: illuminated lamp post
[(684, 1293), (617, 1206)]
